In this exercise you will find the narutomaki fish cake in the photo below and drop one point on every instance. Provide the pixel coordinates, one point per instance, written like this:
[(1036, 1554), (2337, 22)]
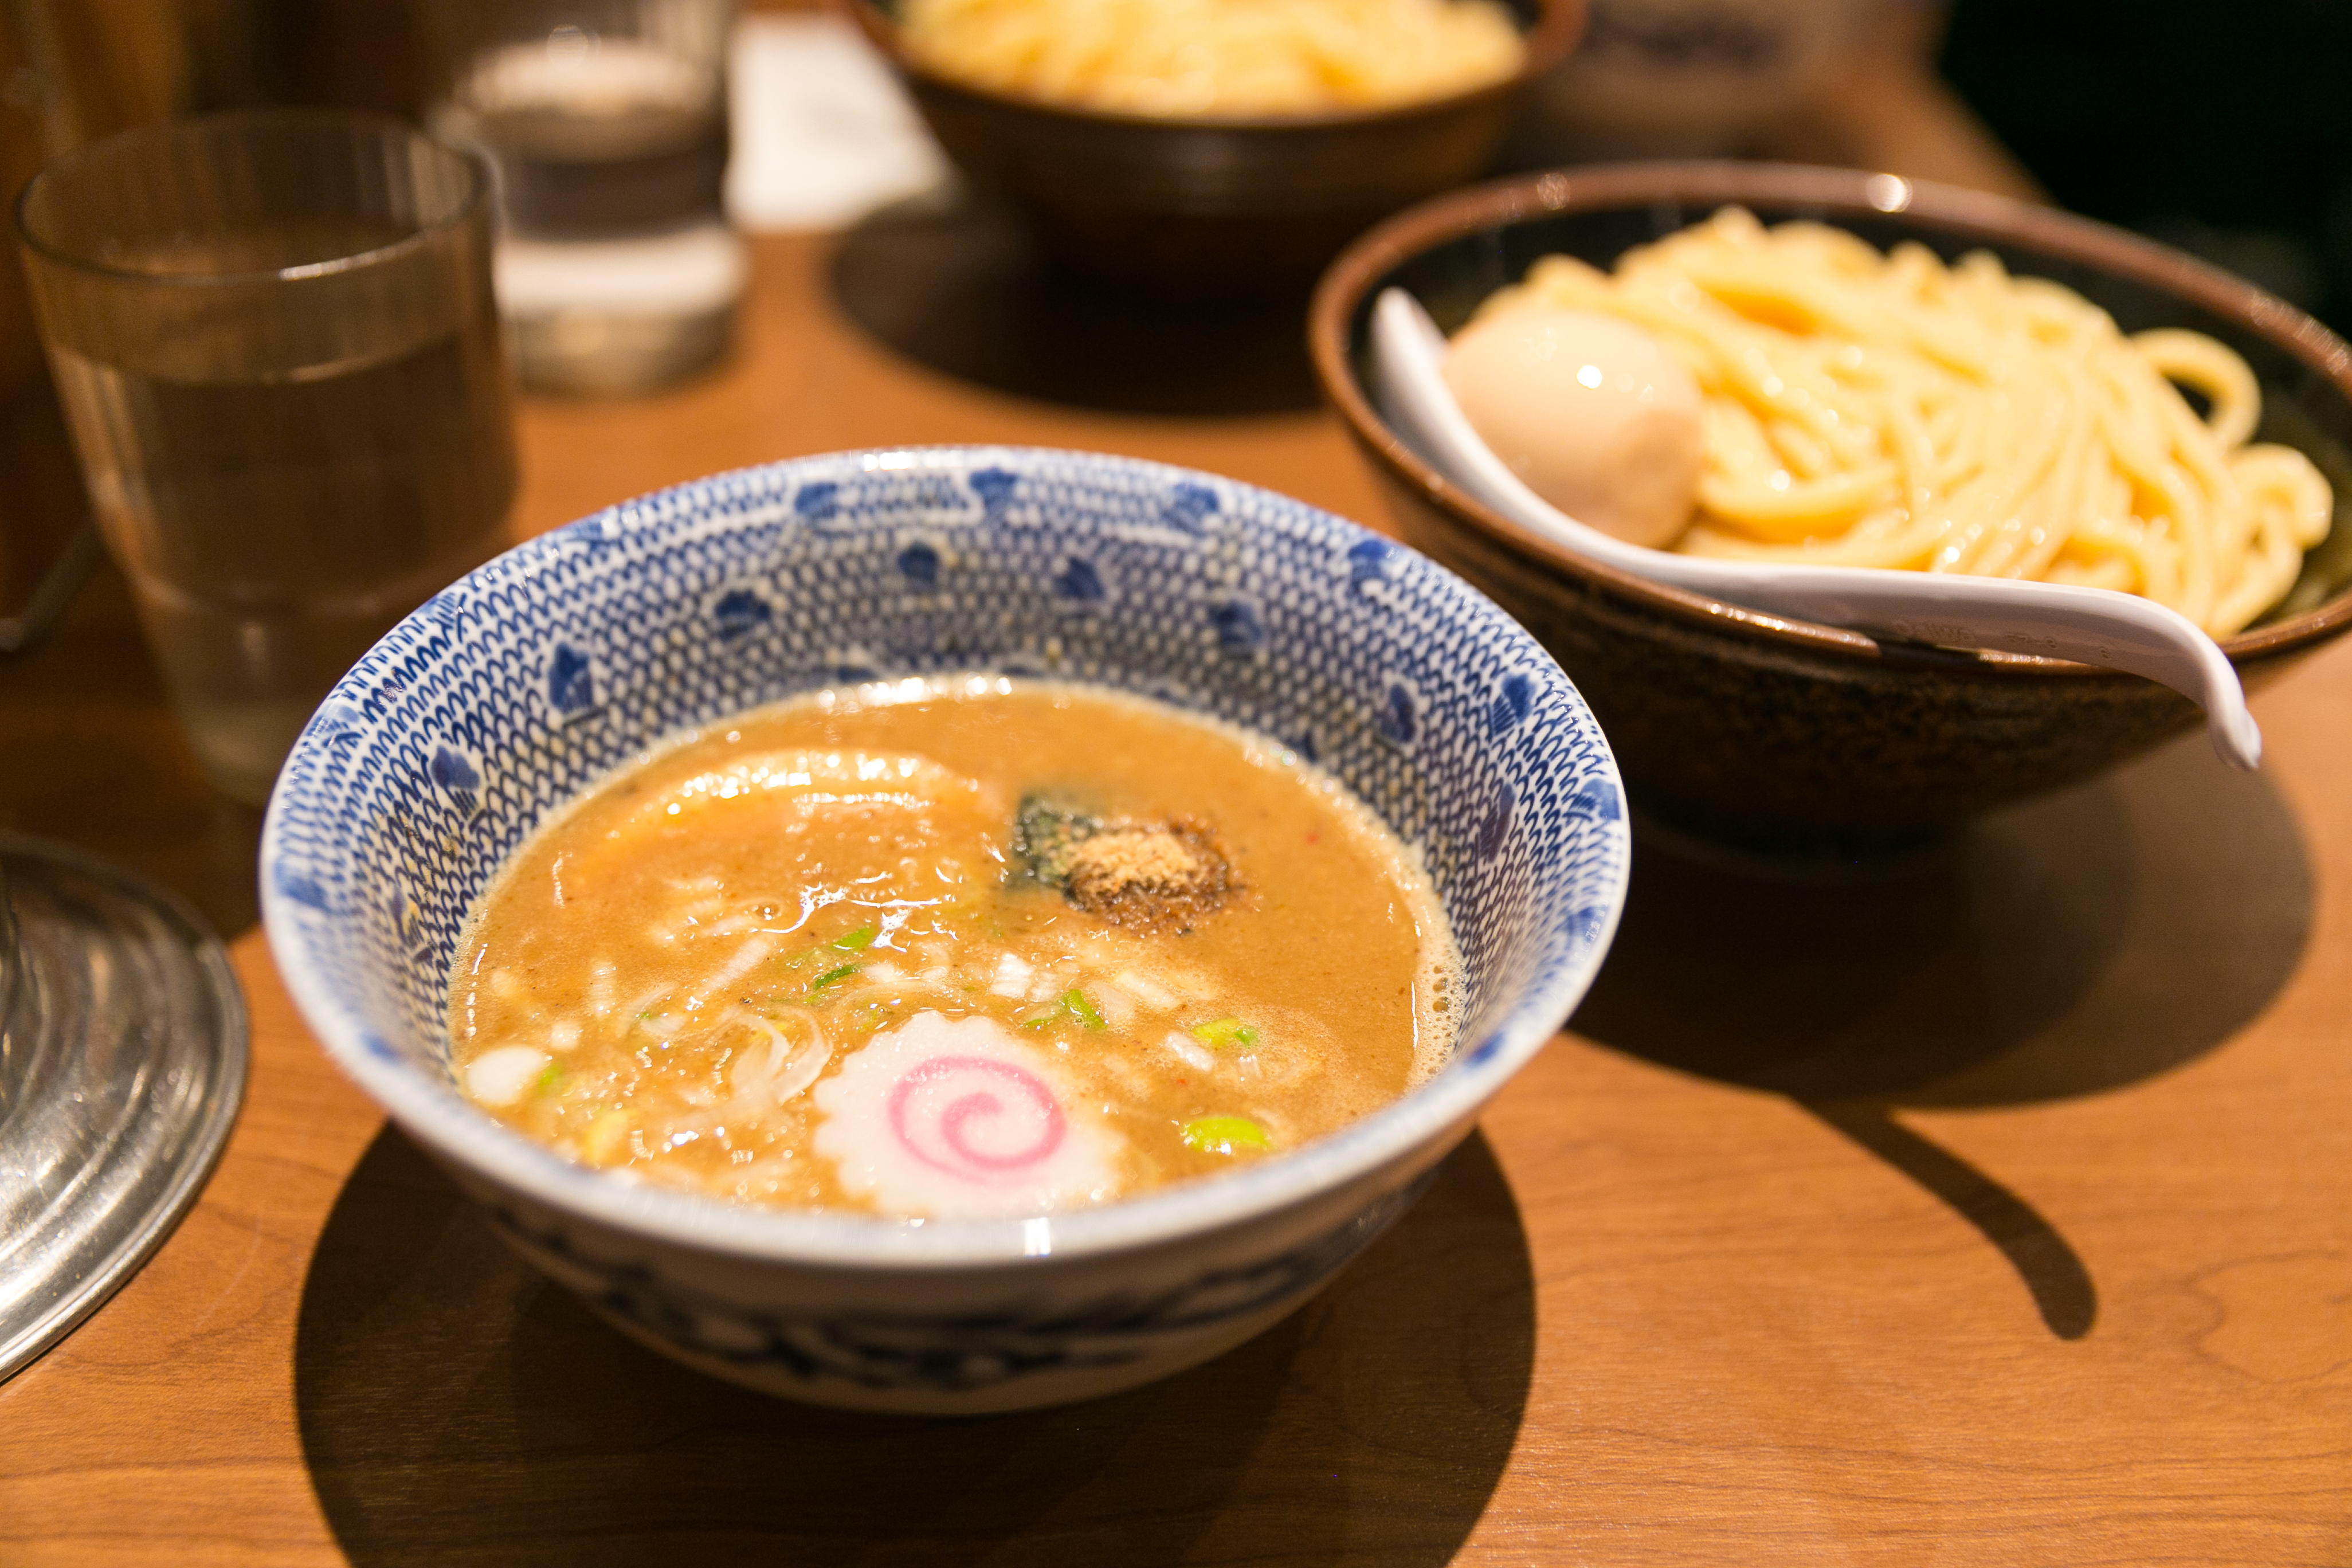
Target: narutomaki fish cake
[(955, 947)]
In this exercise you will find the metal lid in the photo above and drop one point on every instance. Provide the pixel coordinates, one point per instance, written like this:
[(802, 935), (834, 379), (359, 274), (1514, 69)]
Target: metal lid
[(122, 1060)]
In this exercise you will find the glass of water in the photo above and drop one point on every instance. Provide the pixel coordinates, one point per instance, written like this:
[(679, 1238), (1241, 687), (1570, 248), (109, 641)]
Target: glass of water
[(605, 123), (274, 336)]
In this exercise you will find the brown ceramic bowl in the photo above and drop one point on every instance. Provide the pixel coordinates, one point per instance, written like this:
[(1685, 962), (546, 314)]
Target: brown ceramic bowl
[(1217, 201), (1782, 736)]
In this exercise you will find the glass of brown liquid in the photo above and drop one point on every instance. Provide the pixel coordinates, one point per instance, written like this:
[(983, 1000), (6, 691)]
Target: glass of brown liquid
[(274, 337), (605, 121)]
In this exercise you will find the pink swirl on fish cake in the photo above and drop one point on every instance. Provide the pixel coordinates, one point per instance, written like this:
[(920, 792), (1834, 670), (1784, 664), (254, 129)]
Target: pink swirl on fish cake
[(933, 1107), (960, 1118)]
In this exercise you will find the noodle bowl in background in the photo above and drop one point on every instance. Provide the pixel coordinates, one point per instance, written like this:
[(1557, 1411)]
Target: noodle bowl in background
[(1213, 195), (1887, 410), (1211, 57), (1779, 736)]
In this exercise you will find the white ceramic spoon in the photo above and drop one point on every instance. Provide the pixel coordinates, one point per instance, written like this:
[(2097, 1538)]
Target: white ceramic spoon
[(2093, 626)]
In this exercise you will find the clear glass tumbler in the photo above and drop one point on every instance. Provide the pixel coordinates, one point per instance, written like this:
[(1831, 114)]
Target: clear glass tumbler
[(605, 121), (274, 336)]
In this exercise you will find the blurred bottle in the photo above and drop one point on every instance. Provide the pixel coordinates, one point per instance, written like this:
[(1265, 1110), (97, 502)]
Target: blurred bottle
[(37, 512), (606, 121), (71, 70), (1691, 78)]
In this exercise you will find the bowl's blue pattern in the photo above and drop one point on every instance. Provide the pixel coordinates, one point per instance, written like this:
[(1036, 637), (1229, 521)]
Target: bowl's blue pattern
[(525, 681), (954, 1353)]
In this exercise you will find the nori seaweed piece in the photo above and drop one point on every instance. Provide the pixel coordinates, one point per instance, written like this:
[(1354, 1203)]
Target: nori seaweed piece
[(1045, 837)]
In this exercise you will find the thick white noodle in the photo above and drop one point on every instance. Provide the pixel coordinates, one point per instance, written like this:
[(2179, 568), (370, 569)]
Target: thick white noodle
[(1891, 411)]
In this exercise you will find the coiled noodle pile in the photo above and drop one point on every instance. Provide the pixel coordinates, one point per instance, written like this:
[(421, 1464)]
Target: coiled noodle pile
[(1202, 57), (1891, 411)]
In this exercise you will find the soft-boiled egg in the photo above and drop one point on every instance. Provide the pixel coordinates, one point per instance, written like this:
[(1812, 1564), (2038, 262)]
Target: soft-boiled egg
[(1591, 412)]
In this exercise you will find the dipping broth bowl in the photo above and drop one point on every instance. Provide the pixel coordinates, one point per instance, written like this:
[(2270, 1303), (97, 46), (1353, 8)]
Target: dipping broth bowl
[(1217, 201), (1782, 741), (524, 684)]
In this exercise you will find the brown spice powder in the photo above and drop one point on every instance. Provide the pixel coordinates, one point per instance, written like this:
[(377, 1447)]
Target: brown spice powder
[(1151, 877)]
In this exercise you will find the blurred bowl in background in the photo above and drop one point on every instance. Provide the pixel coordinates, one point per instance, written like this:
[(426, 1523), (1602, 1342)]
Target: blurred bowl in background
[(1218, 202), (1785, 738)]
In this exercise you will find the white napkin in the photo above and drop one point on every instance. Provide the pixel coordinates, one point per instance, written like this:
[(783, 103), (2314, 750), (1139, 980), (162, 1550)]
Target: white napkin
[(823, 133)]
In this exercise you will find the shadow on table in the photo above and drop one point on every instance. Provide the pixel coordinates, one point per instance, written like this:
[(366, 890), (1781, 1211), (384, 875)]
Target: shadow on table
[(961, 287), (457, 1409), (2073, 945)]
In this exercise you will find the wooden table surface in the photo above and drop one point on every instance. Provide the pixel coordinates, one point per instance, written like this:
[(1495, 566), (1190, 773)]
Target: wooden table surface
[(1998, 1215)]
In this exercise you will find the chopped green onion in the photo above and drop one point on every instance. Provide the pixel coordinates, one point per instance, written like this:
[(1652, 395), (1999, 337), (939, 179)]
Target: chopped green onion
[(858, 939), (1223, 1134), (1071, 1003), (1220, 1033), (550, 1076), (833, 976)]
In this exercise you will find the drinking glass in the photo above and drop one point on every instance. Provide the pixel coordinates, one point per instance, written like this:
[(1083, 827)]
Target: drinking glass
[(274, 337), (605, 122)]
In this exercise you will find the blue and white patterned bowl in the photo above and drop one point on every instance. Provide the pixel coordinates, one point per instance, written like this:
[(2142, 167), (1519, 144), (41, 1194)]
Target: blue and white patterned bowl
[(525, 683)]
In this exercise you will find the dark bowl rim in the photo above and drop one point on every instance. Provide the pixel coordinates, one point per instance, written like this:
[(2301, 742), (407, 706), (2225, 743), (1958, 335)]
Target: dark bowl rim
[(1857, 193), (1558, 24)]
